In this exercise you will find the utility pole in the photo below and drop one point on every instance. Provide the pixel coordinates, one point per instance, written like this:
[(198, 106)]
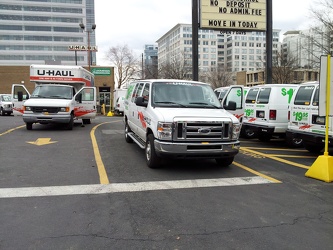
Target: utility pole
[(195, 39)]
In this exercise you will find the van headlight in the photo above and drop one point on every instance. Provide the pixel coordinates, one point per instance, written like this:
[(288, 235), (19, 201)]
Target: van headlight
[(164, 130), (236, 128), (27, 108)]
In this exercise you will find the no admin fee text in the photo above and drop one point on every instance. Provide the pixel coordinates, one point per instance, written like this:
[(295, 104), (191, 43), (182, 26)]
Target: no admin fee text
[(236, 7)]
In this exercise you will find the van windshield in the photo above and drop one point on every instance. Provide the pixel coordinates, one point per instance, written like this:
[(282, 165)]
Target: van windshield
[(184, 94), (53, 91)]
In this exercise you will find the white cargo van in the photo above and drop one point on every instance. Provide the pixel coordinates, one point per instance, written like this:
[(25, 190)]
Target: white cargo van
[(62, 94), (266, 111), (180, 119), (234, 93), (304, 122)]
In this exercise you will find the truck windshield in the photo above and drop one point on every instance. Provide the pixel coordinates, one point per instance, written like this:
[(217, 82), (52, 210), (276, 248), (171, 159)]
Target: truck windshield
[(184, 94), (53, 92)]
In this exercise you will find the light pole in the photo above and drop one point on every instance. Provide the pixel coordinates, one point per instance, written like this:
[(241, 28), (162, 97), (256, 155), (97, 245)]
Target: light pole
[(93, 27)]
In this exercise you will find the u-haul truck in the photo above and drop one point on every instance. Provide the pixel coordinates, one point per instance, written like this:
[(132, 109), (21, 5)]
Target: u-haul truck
[(305, 122), (62, 94)]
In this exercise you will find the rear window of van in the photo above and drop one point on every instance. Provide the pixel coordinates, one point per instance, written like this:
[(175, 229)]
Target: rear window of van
[(252, 95), (263, 96), (304, 95)]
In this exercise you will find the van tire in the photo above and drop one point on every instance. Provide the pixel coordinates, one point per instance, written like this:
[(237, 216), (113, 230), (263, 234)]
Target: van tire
[(128, 130), (2, 112), (248, 133), (153, 161), (224, 162), (29, 125), (294, 142)]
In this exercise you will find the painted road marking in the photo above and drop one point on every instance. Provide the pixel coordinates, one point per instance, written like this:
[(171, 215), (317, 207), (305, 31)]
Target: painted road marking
[(11, 130), (275, 158), (42, 141), (129, 187)]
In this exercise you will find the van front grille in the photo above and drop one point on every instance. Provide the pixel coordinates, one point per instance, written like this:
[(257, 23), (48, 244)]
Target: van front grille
[(202, 131)]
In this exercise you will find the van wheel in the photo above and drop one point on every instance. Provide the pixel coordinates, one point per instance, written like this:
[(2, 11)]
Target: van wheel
[(2, 112), (313, 148), (153, 161), (294, 142), (248, 133), (71, 123), (224, 162), (128, 130), (29, 125)]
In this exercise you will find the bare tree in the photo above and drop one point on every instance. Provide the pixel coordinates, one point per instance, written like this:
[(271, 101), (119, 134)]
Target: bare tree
[(125, 62), (318, 40), (179, 67), (284, 65), (218, 76)]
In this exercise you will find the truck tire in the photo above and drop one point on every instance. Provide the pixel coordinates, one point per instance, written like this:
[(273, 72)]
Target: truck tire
[(224, 162), (71, 123), (153, 161), (128, 130), (29, 125)]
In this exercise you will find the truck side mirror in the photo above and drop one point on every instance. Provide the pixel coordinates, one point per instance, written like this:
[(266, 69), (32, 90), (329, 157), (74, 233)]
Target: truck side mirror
[(20, 96), (140, 101), (78, 98), (231, 106)]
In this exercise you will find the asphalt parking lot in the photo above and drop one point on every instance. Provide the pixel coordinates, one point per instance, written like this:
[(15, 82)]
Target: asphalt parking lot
[(89, 189)]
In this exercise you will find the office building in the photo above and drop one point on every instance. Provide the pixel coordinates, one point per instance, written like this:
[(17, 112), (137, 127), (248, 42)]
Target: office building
[(232, 51), (41, 32)]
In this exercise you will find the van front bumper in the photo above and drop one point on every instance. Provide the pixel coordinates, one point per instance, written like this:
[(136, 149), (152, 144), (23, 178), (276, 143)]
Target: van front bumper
[(196, 150), (41, 118)]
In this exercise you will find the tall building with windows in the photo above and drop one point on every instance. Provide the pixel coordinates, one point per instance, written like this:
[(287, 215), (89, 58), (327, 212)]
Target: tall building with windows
[(150, 61), (42, 31), (232, 51)]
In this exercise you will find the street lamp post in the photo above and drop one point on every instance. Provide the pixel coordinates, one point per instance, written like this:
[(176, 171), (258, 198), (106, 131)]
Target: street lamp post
[(93, 27)]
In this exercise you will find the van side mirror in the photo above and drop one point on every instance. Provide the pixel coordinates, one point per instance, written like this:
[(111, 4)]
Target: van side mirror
[(140, 101), (231, 106)]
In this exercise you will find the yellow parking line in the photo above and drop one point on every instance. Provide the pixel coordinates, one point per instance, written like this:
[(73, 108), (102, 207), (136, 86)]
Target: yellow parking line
[(278, 149), (103, 177), (293, 156), (276, 158), (11, 130), (257, 173)]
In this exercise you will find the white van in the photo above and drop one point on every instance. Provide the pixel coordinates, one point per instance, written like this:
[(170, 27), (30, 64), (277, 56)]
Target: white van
[(266, 111), (305, 123), (180, 119), (234, 93)]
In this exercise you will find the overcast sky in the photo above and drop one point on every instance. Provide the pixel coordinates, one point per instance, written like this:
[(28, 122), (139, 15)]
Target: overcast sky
[(140, 22)]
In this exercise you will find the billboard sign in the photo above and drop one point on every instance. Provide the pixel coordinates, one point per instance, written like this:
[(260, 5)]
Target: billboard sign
[(234, 15)]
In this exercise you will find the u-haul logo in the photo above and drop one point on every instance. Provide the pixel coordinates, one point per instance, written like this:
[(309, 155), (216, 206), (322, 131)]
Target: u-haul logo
[(54, 72)]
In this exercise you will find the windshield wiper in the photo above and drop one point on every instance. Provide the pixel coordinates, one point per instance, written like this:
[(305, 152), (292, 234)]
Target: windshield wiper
[(173, 103), (206, 104)]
